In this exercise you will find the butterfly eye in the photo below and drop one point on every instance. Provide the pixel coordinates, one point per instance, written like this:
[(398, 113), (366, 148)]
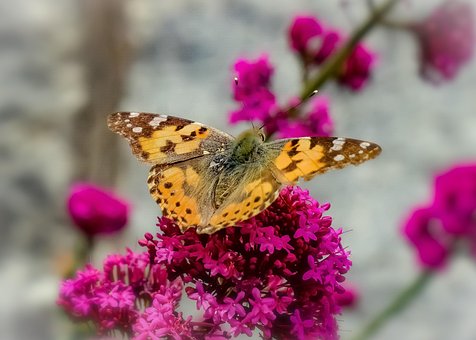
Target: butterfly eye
[(261, 135)]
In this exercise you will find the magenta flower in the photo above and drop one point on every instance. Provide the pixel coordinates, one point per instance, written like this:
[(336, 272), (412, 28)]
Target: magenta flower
[(278, 274), (446, 39), (95, 210), (109, 298), (253, 276), (311, 40), (357, 68), (304, 33), (252, 90), (317, 122), (449, 219), (349, 298)]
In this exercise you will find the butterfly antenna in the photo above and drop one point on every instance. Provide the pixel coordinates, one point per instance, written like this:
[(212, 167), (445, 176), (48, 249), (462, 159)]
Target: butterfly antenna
[(236, 81), (312, 94)]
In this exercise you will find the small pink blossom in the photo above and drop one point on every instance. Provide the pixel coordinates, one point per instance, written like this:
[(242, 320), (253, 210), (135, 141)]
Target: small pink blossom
[(303, 32), (95, 210), (349, 298), (447, 40), (357, 68), (434, 229), (252, 90), (314, 42)]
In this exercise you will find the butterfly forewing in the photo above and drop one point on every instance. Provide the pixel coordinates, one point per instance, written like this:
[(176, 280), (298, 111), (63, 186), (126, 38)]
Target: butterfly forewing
[(161, 139), (308, 156)]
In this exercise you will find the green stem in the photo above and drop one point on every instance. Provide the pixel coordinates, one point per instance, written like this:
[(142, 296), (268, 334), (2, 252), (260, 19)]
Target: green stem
[(334, 64), (398, 304)]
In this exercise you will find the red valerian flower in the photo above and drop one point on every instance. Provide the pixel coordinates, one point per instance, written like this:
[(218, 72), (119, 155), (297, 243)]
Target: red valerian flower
[(251, 89), (357, 68), (447, 39), (304, 31), (95, 210), (436, 228), (255, 276), (314, 43), (277, 274)]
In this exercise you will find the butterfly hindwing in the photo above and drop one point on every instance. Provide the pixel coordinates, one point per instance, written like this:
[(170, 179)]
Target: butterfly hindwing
[(161, 139), (255, 193), (182, 192), (308, 156)]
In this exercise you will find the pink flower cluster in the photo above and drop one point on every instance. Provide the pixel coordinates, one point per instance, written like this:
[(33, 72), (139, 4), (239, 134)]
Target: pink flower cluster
[(447, 39), (258, 103), (278, 273), (110, 298), (315, 43), (436, 228), (95, 210), (251, 85)]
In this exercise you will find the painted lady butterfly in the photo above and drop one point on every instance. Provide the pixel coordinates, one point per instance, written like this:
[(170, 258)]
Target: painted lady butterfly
[(205, 178)]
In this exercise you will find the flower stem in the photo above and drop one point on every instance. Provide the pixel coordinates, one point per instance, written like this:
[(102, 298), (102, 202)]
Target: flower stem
[(334, 64), (397, 305)]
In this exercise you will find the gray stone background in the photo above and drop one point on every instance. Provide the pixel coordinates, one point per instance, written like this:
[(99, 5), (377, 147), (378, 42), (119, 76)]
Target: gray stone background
[(180, 54)]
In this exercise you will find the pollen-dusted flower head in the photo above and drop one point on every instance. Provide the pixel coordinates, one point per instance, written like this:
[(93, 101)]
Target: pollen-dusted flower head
[(95, 210), (277, 273), (450, 219), (447, 39)]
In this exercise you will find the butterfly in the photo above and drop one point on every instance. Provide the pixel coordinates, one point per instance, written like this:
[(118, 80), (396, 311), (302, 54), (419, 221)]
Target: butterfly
[(205, 178)]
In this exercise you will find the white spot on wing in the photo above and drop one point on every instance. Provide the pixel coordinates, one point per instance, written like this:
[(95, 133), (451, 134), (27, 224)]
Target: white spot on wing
[(339, 158), (157, 120), (129, 125), (337, 144), (364, 145), (133, 114), (137, 129)]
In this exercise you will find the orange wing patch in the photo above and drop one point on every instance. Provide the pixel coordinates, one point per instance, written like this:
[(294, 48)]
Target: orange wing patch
[(170, 186), (170, 140), (305, 157), (255, 197), (299, 158), (161, 139)]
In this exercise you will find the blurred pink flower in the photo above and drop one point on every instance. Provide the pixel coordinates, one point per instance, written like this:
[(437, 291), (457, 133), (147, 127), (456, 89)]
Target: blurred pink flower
[(435, 229), (446, 39), (311, 40), (95, 210), (304, 31), (317, 122), (349, 298), (252, 90), (357, 68), (424, 232)]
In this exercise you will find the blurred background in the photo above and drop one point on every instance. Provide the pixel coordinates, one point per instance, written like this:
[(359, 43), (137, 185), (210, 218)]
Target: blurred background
[(64, 65)]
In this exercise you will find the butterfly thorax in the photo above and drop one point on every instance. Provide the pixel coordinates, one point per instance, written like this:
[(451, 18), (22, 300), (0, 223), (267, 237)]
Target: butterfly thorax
[(248, 147), (246, 159)]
